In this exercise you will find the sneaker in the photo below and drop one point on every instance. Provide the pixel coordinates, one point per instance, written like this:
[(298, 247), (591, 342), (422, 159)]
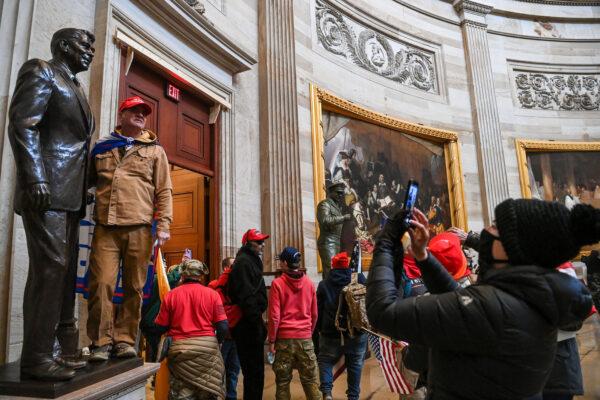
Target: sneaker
[(100, 353), (124, 350), (327, 396)]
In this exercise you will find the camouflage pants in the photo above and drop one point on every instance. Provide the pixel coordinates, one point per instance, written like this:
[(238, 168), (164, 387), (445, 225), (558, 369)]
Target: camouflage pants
[(179, 390), (299, 354)]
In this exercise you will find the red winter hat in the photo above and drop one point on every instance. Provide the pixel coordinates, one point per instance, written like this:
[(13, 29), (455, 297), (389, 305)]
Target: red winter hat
[(340, 261), (446, 248), (133, 102), (253, 235)]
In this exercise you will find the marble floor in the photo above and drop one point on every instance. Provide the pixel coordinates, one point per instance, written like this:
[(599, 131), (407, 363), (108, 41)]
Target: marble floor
[(373, 386)]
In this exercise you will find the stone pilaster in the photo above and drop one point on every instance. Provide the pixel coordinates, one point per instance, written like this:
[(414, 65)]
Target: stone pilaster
[(493, 179), (279, 139), (15, 29)]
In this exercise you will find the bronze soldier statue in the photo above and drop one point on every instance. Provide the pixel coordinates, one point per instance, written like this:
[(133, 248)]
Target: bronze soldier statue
[(50, 129), (331, 220)]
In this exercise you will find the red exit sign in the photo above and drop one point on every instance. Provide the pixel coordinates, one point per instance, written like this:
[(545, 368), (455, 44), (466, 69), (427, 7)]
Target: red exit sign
[(173, 92)]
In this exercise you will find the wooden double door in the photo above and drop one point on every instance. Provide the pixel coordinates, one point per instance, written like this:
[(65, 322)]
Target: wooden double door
[(189, 140)]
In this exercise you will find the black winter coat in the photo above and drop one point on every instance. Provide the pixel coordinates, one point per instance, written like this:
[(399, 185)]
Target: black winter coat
[(492, 340), (246, 286), (328, 295)]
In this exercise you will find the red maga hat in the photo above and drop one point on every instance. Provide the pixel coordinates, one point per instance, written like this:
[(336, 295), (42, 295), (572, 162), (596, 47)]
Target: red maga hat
[(253, 235), (340, 261), (134, 102), (446, 248)]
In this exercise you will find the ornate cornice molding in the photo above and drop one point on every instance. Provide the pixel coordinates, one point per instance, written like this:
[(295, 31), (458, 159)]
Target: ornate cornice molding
[(188, 22), (388, 57), (564, 2)]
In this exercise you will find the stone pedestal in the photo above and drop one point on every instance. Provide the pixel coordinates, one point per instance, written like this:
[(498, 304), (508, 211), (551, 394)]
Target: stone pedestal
[(114, 379)]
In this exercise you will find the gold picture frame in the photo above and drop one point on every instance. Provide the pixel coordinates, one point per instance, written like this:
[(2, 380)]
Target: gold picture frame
[(525, 146), (321, 100)]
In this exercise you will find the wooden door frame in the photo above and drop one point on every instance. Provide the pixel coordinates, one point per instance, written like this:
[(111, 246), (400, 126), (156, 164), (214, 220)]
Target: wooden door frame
[(214, 175)]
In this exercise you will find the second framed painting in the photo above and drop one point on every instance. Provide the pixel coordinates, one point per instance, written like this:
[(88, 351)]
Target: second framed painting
[(374, 156), (561, 171)]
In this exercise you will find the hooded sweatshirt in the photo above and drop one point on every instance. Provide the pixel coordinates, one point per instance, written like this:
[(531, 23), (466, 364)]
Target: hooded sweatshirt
[(292, 308)]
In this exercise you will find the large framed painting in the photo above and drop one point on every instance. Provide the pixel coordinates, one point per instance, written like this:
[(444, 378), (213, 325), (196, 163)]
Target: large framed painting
[(566, 172), (374, 156)]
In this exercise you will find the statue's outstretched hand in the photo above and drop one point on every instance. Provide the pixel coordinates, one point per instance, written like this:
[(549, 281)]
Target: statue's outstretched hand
[(39, 196)]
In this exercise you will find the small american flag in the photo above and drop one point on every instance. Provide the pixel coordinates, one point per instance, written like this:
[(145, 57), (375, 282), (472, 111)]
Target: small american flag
[(385, 352)]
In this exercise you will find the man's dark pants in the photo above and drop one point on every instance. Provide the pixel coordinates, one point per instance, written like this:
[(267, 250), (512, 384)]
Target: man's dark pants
[(330, 351), (232, 368), (249, 339), (49, 298)]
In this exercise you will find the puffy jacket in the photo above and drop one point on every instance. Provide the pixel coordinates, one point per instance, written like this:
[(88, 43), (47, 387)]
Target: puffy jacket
[(328, 295), (492, 340), (246, 286)]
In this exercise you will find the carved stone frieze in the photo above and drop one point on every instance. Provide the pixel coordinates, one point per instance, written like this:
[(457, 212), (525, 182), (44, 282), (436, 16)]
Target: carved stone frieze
[(552, 91), (386, 57)]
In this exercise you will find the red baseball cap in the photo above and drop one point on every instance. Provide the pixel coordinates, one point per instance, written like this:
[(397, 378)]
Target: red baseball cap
[(253, 235), (340, 261), (133, 102), (447, 249)]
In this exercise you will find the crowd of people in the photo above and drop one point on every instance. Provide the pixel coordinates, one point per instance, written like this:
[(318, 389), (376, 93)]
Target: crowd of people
[(494, 337), (509, 334)]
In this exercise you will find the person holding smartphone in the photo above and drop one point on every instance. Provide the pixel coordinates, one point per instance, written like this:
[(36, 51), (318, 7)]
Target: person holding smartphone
[(495, 339)]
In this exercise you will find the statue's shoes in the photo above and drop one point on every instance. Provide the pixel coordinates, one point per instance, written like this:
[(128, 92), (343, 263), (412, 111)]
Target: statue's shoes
[(50, 371), (71, 362)]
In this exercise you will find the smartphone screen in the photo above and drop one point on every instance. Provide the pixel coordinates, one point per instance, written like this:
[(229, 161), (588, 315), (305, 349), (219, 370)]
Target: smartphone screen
[(412, 190)]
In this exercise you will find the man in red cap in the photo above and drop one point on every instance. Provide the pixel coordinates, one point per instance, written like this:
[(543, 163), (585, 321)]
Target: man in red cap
[(246, 288), (133, 187)]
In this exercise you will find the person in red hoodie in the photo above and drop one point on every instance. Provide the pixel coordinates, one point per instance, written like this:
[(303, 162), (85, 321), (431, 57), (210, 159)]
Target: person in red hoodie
[(228, 348), (292, 320)]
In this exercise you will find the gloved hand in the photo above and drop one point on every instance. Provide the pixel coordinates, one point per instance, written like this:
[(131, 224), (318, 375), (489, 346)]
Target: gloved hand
[(394, 228)]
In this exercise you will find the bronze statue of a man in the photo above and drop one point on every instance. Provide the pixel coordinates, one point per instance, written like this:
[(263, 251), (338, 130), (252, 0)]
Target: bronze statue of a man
[(50, 129), (331, 219)]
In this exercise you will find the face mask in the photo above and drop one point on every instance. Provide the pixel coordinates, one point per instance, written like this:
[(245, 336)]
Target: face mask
[(486, 257)]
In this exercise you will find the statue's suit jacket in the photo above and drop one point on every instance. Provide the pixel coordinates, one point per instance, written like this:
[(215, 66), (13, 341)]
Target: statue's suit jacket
[(50, 129)]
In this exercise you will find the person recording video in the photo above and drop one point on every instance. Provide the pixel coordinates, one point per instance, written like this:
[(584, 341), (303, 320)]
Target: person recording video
[(495, 339)]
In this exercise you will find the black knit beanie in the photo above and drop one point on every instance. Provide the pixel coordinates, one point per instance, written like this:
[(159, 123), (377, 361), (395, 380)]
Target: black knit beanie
[(536, 232)]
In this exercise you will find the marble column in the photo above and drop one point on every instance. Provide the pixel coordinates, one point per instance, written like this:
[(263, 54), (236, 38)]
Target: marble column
[(492, 167), (281, 201), (15, 30)]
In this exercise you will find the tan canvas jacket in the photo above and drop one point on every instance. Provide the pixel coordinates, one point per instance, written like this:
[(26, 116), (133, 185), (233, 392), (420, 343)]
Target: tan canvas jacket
[(129, 189)]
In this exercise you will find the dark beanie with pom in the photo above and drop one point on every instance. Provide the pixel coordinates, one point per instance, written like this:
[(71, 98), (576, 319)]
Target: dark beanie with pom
[(536, 232)]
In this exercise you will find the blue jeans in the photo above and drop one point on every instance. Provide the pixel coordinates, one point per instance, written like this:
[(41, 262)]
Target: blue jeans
[(232, 367), (330, 351)]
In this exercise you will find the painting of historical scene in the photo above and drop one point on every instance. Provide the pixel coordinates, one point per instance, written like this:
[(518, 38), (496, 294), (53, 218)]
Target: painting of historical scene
[(567, 177), (375, 163)]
